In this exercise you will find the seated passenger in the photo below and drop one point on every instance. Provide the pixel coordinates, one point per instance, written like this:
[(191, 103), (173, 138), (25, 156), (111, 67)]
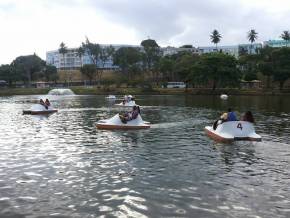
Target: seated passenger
[(231, 115), (43, 104), (130, 98), (248, 116), (47, 103), (130, 115), (125, 100)]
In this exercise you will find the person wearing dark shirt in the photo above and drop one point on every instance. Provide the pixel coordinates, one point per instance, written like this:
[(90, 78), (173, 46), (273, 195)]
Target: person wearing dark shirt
[(130, 115), (248, 116), (47, 103), (43, 104)]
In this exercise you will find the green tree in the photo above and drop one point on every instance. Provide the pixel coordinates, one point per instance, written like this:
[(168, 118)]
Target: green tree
[(28, 66), (110, 51), (89, 70), (286, 36), (63, 50), (265, 64), (94, 52), (248, 64), (9, 74), (218, 68), (166, 68), (80, 54), (50, 73), (152, 53), (125, 58), (105, 54), (183, 66), (252, 37), (281, 65), (215, 37)]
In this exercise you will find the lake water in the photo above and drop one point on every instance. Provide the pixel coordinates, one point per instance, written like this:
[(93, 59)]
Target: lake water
[(62, 166)]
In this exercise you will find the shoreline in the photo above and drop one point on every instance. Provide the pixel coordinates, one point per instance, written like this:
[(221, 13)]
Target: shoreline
[(141, 91)]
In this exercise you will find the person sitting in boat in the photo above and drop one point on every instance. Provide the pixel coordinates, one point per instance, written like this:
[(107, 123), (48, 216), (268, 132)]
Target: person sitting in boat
[(43, 104), (130, 98), (47, 103), (248, 116), (126, 100), (130, 115), (229, 116)]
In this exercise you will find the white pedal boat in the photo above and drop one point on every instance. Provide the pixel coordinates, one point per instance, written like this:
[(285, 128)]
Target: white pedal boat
[(233, 131), (116, 123), (127, 104), (111, 97), (39, 109)]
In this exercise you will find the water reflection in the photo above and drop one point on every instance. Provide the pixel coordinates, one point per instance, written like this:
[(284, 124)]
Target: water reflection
[(236, 152)]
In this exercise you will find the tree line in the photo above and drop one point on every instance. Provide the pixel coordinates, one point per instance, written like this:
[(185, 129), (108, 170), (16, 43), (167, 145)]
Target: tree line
[(148, 65), (26, 69), (214, 69)]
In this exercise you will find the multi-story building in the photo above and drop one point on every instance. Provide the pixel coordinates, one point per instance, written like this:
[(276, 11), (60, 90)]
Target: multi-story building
[(276, 43), (71, 60), (231, 49), (250, 48), (235, 50), (169, 50)]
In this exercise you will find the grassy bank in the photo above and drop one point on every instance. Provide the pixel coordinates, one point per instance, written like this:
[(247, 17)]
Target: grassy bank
[(139, 91), (23, 91)]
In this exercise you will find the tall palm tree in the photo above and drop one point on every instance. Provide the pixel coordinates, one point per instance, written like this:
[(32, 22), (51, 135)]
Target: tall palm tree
[(252, 36), (80, 53), (63, 50), (215, 37), (286, 36)]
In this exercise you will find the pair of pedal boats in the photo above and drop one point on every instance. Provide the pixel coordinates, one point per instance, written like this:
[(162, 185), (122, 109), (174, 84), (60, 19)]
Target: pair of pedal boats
[(39, 109), (226, 132)]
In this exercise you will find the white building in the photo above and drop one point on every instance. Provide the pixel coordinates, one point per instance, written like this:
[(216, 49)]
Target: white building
[(277, 43), (250, 48), (71, 60), (231, 50), (169, 50), (234, 50)]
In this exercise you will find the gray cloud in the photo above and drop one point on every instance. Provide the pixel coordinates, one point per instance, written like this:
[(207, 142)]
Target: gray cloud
[(185, 21)]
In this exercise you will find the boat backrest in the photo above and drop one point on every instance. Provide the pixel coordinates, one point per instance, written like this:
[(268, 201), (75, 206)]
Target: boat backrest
[(236, 128)]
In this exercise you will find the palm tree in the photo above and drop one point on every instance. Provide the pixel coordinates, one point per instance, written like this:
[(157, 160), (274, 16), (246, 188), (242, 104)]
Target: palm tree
[(286, 36), (252, 36), (63, 50), (80, 53), (215, 37)]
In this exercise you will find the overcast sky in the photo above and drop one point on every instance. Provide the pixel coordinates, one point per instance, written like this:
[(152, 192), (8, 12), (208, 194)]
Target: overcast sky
[(29, 26)]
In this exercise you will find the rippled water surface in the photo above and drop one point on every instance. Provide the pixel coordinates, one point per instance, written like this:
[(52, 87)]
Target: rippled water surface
[(62, 166)]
